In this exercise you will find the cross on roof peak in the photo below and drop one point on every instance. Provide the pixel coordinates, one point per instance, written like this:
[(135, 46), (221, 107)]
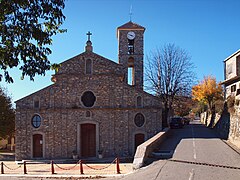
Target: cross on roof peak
[(88, 47), (89, 34)]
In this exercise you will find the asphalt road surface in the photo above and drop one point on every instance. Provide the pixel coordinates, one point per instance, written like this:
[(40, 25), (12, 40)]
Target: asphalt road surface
[(197, 155)]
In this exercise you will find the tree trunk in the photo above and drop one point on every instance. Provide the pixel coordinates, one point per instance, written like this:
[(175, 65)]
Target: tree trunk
[(213, 116), (165, 114)]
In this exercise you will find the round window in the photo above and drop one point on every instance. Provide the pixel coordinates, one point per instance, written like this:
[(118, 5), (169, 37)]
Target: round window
[(88, 99), (139, 120), (36, 121)]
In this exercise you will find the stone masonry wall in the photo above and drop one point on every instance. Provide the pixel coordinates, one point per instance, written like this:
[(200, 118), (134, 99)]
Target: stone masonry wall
[(226, 125), (234, 133), (62, 111)]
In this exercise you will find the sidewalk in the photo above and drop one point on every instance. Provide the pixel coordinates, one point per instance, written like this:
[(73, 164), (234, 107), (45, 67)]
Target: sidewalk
[(65, 170)]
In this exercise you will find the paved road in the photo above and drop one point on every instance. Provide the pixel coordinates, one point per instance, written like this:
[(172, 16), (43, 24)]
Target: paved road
[(193, 143)]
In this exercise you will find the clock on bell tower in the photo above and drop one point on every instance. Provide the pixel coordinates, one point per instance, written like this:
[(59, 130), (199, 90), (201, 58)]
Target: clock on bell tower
[(130, 52)]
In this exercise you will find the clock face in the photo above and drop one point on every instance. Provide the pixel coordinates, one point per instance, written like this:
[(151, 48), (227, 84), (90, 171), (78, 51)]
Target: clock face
[(130, 35)]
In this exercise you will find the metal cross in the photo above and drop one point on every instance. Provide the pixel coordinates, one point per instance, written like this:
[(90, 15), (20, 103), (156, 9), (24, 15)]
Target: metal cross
[(89, 34)]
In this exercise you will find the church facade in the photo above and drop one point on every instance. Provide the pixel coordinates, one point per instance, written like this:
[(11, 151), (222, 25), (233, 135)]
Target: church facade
[(90, 108)]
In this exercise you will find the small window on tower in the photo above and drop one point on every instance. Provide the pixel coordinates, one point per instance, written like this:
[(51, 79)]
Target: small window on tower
[(131, 72), (130, 46), (131, 76)]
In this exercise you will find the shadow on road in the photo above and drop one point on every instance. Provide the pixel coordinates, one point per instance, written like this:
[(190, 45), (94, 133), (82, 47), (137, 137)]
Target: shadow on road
[(195, 130)]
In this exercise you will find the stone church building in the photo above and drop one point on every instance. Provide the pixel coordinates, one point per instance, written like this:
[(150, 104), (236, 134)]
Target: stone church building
[(91, 108)]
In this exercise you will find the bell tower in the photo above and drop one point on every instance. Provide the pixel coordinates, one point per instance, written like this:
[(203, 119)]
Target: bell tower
[(130, 52)]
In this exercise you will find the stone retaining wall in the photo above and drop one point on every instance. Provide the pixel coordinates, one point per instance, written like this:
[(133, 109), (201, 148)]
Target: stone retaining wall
[(227, 125)]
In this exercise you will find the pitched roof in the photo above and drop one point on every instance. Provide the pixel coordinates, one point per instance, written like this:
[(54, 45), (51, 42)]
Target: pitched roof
[(131, 25)]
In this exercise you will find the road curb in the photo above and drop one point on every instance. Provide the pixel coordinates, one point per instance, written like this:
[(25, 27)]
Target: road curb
[(64, 176), (232, 146)]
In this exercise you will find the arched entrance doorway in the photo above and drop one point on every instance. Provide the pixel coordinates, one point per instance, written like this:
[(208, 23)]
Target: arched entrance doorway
[(37, 146), (88, 140), (138, 139)]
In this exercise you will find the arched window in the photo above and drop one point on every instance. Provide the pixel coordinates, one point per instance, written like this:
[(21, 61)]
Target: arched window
[(131, 72), (36, 121), (88, 66), (139, 120), (36, 103), (139, 101)]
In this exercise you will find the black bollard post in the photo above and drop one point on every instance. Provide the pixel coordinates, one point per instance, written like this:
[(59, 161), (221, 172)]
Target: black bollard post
[(81, 167), (52, 167), (118, 167), (24, 167), (2, 170)]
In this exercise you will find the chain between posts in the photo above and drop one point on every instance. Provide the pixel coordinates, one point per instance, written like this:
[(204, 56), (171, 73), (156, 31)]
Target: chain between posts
[(98, 169), (12, 169), (66, 168)]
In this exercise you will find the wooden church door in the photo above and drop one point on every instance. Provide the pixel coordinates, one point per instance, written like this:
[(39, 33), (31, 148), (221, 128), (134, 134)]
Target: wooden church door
[(88, 140), (37, 146), (139, 139)]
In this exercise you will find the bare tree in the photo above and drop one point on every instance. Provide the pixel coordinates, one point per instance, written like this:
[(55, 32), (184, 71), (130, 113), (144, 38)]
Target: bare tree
[(169, 73)]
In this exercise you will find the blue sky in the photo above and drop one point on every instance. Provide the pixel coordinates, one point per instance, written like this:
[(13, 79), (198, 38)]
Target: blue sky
[(208, 29)]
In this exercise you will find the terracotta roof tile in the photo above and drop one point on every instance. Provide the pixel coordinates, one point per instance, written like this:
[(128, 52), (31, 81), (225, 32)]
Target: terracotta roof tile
[(131, 25)]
